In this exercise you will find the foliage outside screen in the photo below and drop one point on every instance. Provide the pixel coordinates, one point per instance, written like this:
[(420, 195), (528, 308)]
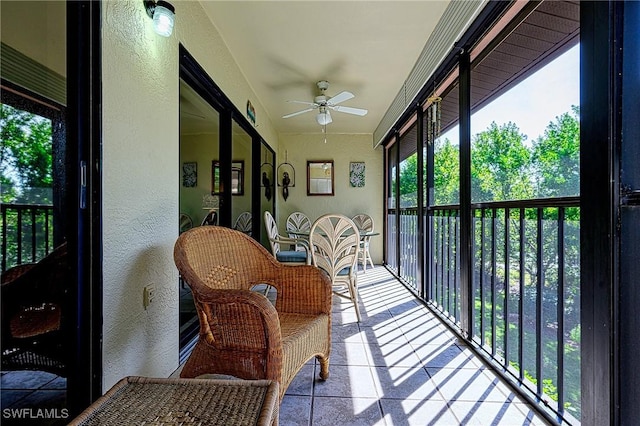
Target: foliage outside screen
[(505, 166), (26, 177), (26, 172)]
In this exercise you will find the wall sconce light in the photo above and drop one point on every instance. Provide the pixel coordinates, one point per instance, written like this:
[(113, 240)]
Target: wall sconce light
[(163, 15)]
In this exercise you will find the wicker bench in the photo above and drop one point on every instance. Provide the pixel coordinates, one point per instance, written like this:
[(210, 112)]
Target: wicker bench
[(155, 401)]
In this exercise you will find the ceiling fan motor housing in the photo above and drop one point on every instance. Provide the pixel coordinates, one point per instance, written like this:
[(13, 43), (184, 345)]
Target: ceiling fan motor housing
[(323, 85), (320, 100)]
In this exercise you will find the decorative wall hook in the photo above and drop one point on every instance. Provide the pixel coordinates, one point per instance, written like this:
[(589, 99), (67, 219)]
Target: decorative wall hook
[(286, 177), (267, 179)]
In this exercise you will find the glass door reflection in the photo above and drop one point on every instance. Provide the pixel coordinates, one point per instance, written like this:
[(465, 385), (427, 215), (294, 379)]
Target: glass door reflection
[(267, 188), (199, 202), (241, 178)]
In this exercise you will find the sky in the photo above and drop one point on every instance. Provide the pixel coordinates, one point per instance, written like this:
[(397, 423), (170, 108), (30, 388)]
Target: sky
[(535, 101)]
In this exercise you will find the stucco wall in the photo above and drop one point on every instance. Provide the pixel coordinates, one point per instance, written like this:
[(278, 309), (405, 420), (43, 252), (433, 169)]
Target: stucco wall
[(342, 149), (141, 175)]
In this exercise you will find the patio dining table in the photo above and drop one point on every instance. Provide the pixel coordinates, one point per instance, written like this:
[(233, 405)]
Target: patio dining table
[(304, 235), (363, 234)]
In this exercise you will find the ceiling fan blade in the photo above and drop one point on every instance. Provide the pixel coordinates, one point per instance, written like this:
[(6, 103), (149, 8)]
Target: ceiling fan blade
[(302, 102), (350, 110), (340, 97), (293, 114)]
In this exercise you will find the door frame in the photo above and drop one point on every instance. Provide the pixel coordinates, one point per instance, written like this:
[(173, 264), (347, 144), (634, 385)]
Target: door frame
[(84, 137)]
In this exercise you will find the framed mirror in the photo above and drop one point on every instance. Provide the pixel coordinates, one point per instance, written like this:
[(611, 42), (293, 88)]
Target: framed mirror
[(320, 177), (237, 178)]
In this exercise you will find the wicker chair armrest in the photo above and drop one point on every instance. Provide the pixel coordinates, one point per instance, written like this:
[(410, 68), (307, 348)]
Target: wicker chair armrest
[(16, 290), (44, 281), (31, 284), (12, 274), (303, 289), (246, 309), (234, 322)]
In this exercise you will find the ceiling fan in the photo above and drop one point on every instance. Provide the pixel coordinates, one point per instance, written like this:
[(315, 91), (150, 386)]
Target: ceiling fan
[(324, 104)]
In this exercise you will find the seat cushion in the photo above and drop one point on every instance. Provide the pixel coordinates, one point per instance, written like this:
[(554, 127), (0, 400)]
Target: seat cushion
[(291, 256), (345, 271)]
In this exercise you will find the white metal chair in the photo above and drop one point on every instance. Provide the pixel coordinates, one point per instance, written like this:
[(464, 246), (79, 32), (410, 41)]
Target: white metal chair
[(276, 240), (211, 218), (364, 222), (244, 223), (335, 243), (298, 222), (185, 222)]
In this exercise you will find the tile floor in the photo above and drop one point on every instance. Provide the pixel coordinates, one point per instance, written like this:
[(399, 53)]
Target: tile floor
[(399, 366), (23, 390)]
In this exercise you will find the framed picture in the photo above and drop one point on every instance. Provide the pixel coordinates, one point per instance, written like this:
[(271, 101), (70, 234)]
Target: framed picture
[(237, 178), (356, 174), (190, 174)]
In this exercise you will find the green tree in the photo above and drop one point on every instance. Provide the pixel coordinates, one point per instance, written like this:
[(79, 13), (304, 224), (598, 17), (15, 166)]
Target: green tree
[(556, 156), (409, 181), (25, 152), (446, 169), (500, 164)]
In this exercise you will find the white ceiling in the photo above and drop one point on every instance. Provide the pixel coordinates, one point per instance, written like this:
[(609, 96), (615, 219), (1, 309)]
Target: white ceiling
[(366, 47)]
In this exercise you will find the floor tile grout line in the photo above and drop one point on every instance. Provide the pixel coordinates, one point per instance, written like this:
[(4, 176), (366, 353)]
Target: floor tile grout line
[(447, 403)]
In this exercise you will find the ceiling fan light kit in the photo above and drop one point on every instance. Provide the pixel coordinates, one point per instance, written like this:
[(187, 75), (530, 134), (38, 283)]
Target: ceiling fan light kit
[(324, 104), (323, 117)]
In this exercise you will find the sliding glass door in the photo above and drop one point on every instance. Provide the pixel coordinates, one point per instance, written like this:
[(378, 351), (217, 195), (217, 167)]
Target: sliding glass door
[(199, 183), (241, 178), (226, 171), (37, 305)]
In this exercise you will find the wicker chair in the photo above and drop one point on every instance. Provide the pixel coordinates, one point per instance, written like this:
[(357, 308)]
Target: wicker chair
[(242, 333), (33, 301), (335, 243)]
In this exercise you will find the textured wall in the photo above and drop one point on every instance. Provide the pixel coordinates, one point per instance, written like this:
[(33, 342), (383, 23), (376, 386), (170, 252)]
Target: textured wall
[(140, 183), (348, 200), (141, 176)]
